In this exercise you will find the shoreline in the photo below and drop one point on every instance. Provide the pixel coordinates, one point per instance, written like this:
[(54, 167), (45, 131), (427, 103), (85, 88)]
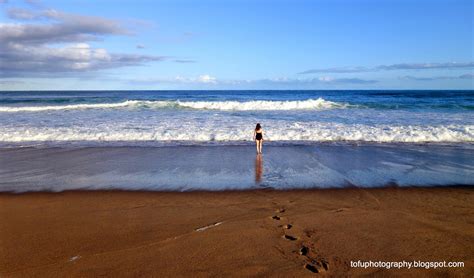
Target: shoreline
[(71, 144), (235, 233), (247, 190)]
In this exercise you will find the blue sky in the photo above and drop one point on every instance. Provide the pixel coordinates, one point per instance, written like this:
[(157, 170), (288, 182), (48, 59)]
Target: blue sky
[(236, 44)]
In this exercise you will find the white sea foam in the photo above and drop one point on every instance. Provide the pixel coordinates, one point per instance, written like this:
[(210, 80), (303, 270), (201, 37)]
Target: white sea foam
[(128, 103), (316, 104), (206, 132), (310, 104)]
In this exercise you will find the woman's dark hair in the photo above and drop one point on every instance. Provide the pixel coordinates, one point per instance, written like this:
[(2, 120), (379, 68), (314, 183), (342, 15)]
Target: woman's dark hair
[(258, 127)]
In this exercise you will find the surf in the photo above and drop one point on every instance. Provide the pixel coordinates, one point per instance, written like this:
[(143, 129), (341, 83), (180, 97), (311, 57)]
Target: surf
[(279, 132), (254, 105)]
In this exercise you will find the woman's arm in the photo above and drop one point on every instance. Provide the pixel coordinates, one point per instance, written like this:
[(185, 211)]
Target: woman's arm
[(254, 135)]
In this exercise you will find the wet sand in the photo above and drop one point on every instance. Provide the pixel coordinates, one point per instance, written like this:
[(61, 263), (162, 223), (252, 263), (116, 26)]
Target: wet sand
[(234, 167), (239, 233)]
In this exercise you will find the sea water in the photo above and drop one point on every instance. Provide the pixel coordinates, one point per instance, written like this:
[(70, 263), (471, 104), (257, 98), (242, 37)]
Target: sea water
[(228, 117), (188, 140)]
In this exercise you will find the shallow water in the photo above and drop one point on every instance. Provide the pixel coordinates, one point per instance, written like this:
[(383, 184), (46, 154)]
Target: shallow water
[(193, 140), (183, 168)]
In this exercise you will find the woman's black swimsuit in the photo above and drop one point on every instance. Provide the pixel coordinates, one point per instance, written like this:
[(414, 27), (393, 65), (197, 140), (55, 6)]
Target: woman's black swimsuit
[(258, 136)]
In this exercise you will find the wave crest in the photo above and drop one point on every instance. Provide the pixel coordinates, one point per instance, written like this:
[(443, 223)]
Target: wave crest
[(255, 105), (310, 104)]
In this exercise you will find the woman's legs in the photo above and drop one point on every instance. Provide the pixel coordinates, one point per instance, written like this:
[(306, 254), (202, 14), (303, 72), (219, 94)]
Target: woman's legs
[(260, 146), (257, 142)]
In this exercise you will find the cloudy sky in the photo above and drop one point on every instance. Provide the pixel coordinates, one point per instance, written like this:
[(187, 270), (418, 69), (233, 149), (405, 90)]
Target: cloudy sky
[(236, 44)]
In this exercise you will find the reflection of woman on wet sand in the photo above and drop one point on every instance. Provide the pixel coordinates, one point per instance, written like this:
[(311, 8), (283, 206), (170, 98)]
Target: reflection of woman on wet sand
[(258, 137), (258, 168)]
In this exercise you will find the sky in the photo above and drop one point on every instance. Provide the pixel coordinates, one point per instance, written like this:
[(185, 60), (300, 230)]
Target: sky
[(236, 44)]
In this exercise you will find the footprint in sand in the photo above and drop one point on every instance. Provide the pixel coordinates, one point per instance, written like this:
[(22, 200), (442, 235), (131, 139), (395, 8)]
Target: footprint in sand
[(311, 268), (304, 250), (288, 237), (317, 267), (325, 265), (280, 210)]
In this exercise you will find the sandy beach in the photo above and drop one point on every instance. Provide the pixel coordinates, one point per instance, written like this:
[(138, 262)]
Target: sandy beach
[(236, 233)]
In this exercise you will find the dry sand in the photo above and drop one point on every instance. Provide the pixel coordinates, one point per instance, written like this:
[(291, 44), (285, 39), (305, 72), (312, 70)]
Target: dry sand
[(77, 234)]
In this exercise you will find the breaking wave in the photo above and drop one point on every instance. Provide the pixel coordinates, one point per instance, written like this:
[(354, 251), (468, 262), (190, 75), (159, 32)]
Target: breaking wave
[(255, 105), (310, 132)]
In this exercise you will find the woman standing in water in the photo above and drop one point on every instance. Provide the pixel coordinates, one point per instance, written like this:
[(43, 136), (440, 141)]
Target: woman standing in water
[(258, 137)]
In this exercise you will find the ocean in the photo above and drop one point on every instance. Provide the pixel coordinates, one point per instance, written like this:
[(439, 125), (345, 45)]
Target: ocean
[(229, 117), (202, 140)]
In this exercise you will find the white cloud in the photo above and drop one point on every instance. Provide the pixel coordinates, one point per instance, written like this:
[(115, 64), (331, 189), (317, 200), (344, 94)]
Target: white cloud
[(207, 79), (31, 49), (325, 79), (201, 79), (433, 78), (22, 14), (404, 66)]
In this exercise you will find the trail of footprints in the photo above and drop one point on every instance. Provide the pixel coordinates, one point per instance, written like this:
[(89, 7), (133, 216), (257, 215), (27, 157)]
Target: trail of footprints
[(306, 251)]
